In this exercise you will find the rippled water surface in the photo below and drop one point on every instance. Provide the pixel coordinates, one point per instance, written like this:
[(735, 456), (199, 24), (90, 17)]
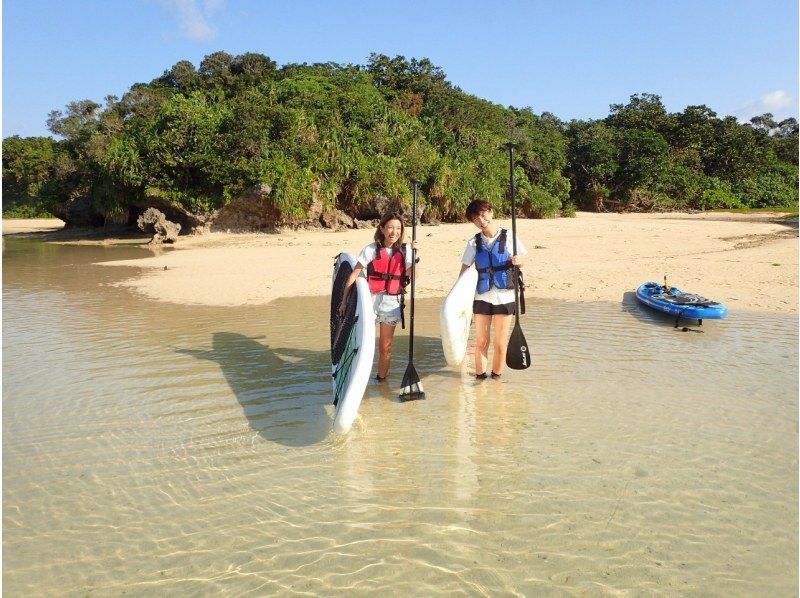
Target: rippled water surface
[(157, 449)]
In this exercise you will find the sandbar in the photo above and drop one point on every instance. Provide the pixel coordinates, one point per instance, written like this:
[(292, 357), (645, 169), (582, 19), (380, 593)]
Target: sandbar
[(747, 261)]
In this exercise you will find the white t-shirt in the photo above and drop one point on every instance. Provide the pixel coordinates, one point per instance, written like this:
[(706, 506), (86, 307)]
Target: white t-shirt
[(494, 295), (383, 302)]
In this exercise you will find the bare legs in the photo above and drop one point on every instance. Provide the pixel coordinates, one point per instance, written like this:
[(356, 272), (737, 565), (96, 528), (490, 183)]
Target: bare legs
[(385, 346), (483, 323)]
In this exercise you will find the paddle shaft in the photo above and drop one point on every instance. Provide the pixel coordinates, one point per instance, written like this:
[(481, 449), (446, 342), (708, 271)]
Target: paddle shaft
[(517, 354), (513, 222), (414, 266)]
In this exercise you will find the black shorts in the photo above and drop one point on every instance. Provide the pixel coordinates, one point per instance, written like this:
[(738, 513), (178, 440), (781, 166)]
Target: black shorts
[(485, 308)]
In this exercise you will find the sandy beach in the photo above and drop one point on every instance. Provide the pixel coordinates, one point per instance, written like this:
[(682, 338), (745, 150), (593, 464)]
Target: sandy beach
[(748, 261), (13, 226)]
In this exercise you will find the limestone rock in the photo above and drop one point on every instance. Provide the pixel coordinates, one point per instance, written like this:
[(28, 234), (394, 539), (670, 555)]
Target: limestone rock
[(361, 224), (377, 206), (335, 219), (163, 230), (191, 222), (253, 210)]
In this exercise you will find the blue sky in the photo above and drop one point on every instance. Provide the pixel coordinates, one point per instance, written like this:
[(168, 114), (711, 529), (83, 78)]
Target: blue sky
[(569, 57)]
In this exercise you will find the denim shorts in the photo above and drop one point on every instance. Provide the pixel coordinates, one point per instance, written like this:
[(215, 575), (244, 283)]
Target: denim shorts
[(387, 309)]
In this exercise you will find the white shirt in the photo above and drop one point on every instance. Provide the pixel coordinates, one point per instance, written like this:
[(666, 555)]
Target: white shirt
[(494, 295)]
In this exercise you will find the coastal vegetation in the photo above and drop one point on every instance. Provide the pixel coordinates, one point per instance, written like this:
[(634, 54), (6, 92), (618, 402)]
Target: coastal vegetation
[(331, 138)]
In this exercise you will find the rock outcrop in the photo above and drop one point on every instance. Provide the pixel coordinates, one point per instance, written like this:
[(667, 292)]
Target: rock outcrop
[(163, 230), (190, 222), (254, 210)]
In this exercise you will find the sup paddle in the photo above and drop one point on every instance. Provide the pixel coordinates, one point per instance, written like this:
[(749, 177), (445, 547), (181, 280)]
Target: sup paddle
[(411, 385), (518, 356)]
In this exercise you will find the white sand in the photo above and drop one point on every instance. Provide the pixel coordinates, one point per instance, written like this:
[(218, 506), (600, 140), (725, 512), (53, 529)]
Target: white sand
[(13, 226), (748, 261)]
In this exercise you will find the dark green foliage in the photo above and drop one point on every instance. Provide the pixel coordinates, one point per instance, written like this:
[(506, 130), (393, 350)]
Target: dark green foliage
[(341, 135), (38, 172), (642, 158), (777, 187)]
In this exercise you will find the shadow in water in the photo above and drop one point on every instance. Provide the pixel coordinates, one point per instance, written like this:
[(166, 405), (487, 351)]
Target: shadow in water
[(428, 359), (283, 392), (643, 313)]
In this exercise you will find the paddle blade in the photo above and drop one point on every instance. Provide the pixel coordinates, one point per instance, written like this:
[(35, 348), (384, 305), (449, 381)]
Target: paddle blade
[(411, 385), (518, 356)]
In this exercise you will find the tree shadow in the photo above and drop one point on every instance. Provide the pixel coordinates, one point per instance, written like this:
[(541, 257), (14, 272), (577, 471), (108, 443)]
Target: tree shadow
[(282, 392)]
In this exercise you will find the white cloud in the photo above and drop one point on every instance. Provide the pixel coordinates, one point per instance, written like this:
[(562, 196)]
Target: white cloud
[(194, 17), (779, 103)]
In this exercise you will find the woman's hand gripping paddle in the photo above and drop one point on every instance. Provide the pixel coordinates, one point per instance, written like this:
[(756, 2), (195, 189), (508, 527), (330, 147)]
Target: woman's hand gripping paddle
[(411, 385), (518, 356)]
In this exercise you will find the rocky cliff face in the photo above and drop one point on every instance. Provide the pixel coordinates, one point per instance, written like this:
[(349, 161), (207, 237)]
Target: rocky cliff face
[(254, 210)]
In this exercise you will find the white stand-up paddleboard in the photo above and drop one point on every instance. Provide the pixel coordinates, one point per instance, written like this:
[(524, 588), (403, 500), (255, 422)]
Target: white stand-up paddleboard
[(352, 343), (455, 316)]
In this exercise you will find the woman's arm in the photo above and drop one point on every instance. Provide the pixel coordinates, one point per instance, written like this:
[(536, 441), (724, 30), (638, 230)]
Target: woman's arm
[(348, 285), (468, 258)]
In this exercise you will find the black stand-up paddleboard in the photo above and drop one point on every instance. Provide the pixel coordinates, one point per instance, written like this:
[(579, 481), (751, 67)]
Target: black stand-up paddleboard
[(352, 343), (411, 385), (518, 355)]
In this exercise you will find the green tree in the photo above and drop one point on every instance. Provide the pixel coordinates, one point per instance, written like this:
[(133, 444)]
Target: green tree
[(785, 141), (593, 162), (343, 134), (80, 121)]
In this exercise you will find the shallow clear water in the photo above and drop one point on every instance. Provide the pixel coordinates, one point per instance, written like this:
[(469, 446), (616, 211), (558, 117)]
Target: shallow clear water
[(151, 448)]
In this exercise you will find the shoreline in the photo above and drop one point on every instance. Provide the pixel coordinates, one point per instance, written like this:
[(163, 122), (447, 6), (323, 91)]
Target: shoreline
[(747, 261), (20, 226)]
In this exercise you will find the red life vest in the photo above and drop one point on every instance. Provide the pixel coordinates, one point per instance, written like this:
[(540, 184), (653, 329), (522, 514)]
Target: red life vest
[(387, 274)]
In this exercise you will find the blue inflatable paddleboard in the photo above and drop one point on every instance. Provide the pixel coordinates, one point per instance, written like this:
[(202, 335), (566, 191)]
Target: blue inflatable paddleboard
[(677, 303)]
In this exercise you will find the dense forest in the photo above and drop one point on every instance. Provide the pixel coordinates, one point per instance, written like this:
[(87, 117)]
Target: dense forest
[(335, 137)]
